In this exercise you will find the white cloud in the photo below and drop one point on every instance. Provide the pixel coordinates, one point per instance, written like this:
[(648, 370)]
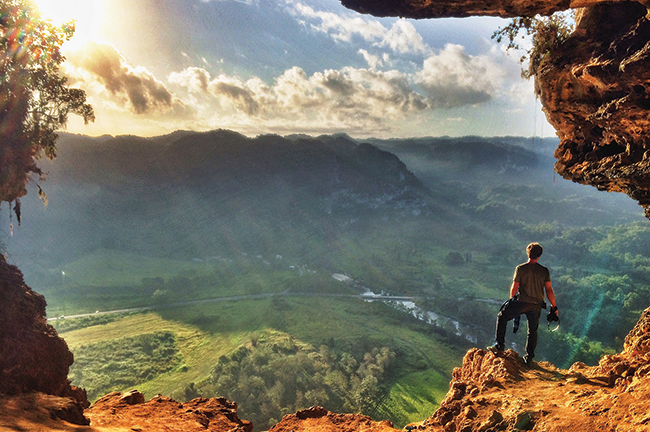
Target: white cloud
[(248, 2), (362, 101), (194, 79), (349, 98), (339, 27), (454, 78), (344, 99), (373, 61), (402, 37), (101, 67)]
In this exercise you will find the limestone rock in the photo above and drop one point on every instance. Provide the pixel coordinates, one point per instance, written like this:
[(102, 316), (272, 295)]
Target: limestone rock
[(40, 412), (317, 419), (595, 91), (33, 358), (463, 8), (116, 411)]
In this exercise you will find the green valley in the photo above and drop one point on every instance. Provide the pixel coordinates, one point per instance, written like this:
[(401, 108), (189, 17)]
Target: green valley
[(320, 270)]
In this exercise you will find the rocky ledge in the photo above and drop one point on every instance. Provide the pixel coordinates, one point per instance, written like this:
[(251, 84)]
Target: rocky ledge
[(317, 419), (488, 393), (117, 412), (499, 393), (595, 88), (129, 411)]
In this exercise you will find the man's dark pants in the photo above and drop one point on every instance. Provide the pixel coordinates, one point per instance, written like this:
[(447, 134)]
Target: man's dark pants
[(514, 309)]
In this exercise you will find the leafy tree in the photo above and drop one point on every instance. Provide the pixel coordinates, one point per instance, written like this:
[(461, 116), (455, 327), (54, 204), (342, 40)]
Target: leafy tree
[(34, 99), (548, 33), (274, 378)]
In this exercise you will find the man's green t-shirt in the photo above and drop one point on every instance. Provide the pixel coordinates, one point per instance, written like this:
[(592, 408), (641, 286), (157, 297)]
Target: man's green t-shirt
[(532, 278)]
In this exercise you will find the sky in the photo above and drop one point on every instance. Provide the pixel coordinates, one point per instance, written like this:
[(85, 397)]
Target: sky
[(150, 67)]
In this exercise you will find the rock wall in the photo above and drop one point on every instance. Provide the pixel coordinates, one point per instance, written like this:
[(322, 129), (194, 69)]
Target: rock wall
[(595, 89), (33, 358)]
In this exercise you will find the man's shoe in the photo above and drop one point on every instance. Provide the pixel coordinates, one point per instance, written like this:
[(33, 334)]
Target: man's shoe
[(528, 360), (496, 348)]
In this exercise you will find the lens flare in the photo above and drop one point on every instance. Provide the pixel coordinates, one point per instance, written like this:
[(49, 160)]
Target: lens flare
[(86, 14)]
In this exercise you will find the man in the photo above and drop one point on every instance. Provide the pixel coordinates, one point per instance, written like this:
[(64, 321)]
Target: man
[(530, 282)]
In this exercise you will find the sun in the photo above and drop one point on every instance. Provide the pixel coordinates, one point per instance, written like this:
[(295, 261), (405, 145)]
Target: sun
[(86, 14)]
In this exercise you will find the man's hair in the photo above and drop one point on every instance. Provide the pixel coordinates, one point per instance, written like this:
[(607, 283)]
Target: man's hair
[(534, 250)]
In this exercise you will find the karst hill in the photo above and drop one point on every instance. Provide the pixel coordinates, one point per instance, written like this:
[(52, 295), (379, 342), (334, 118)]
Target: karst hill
[(487, 393)]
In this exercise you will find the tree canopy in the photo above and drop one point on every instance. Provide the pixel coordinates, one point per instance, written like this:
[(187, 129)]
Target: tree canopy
[(35, 99)]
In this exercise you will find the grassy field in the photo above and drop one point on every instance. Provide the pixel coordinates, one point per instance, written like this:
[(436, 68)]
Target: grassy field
[(204, 332), (198, 349), (413, 395)]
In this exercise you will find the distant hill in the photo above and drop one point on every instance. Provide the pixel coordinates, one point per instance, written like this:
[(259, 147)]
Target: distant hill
[(324, 199), (507, 157), (194, 194), (228, 161)]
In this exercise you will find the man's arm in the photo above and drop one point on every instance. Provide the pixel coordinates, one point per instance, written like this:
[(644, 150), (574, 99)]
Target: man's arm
[(550, 293), (515, 288)]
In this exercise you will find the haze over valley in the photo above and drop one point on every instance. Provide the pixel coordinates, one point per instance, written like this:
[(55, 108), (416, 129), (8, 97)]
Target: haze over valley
[(237, 245)]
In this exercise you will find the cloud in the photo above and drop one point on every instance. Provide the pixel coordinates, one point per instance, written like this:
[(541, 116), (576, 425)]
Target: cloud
[(354, 100), (195, 79), (373, 61), (339, 27), (402, 37), (248, 2), (348, 97), (242, 98), (454, 78), (135, 87)]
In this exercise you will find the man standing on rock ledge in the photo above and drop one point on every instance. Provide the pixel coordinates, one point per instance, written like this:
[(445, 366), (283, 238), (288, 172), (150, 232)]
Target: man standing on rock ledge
[(530, 282)]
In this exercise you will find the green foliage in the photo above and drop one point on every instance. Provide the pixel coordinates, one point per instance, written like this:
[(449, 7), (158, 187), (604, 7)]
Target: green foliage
[(541, 231), (120, 363), (35, 99), (563, 348), (630, 239), (417, 393), (278, 376), (574, 244), (547, 33)]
